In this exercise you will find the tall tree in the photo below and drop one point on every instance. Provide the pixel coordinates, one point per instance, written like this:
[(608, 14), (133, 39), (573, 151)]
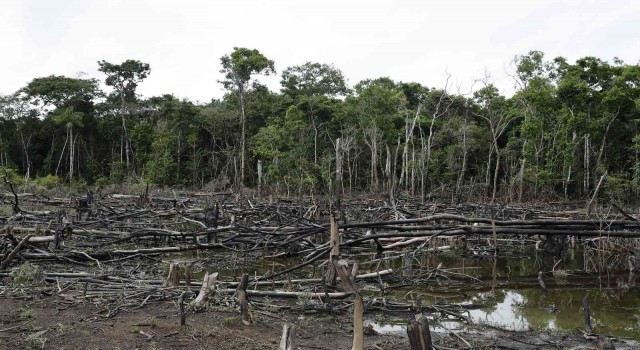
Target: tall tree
[(374, 111), (309, 85), (69, 118), (238, 69), (124, 79), (495, 110), (61, 91)]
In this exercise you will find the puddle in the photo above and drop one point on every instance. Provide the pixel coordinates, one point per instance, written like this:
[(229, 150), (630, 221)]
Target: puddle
[(508, 287)]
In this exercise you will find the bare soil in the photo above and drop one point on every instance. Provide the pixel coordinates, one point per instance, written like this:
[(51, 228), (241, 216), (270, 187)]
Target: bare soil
[(56, 323)]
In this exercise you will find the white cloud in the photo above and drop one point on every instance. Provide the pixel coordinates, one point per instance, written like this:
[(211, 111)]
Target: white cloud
[(404, 39)]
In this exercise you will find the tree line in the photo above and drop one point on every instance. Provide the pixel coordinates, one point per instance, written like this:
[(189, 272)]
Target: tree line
[(568, 127)]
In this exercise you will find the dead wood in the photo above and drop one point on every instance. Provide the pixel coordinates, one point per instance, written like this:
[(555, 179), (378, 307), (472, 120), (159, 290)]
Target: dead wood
[(419, 334), (288, 337), (245, 313), (13, 253), (587, 315), (208, 285)]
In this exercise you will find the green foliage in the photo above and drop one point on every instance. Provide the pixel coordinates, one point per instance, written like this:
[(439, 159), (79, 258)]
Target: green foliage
[(12, 176), (567, 123), (313, 79), (24, 279), (61, 91), (241, 65), (162, 168), (125, 77), (48, 181)]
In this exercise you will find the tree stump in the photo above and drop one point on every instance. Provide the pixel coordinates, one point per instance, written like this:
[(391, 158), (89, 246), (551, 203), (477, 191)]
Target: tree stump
[(288, 336), (245, 313), (419, 334), (173, 278), (208, 285)]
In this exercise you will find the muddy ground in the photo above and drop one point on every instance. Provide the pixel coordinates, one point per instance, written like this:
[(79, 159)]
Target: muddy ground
[(57, 323)]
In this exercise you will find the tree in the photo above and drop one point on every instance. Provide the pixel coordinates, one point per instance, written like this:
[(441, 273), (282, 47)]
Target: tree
[(313, 79), (61, 91), (124, 79), (19, 111), (309, 86), (374, 111), (535, 100), (69, 118), (494, 108), (238, 69)]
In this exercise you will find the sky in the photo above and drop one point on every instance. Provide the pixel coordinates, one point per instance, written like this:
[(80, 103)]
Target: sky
[(406, 40)]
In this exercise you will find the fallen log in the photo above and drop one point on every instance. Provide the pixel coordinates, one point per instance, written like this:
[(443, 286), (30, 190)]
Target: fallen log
[(13, 253)]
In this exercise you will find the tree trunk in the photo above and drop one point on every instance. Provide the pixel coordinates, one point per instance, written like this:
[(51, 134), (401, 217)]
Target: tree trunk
[(243, 122), (523, 164), (463, 168), (62, 154), (495, 175), (71, 149)]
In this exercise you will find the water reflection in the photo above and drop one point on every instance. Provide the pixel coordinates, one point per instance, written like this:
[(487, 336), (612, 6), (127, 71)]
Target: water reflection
[(509, 287), (612, 312), (505, 314)]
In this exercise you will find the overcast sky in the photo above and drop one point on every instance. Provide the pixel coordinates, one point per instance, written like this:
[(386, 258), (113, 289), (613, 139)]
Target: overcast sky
[(405, 40)]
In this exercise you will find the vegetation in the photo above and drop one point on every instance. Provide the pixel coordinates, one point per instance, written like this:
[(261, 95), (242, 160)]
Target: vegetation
[(566, 127)]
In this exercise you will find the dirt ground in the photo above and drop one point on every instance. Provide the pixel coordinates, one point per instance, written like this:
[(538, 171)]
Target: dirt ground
[(56, 323)]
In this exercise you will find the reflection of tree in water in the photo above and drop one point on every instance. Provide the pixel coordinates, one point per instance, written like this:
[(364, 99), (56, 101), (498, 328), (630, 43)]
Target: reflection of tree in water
[(612, 311), (502, 310)]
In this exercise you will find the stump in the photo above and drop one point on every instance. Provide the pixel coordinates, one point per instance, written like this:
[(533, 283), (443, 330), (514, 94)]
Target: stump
[(208, 285), (245, 313), (173, 278), (288, 335), (419, 334)]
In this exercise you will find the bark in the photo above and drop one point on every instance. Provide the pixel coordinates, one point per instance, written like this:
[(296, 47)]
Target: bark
[(243, 136)]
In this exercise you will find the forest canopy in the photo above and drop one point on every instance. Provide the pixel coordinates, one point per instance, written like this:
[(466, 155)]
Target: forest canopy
[(567, 126)]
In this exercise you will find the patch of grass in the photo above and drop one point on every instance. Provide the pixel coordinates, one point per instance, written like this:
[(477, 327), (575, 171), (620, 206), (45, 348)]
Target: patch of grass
[(35, 342), (26, 314), (229, 321), (24, 279)]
